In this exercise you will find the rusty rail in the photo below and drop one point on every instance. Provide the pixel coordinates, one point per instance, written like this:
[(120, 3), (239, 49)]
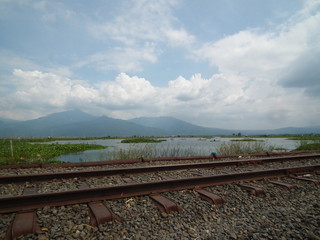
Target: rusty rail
[(27, 202), (147, 169)]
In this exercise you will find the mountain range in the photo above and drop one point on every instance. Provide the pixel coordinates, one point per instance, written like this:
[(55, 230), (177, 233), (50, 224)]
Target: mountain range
[(76, 123)]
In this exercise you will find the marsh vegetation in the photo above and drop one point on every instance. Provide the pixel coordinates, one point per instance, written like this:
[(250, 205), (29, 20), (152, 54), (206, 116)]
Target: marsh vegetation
[(244, 147), (19, 151), (54, 150), (152, 151)]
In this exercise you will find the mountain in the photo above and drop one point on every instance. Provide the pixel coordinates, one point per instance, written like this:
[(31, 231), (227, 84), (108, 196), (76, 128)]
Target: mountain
[(175, 126), (6, 120), (105, 126), (61, 118), (44, 126), (178, 127), (76, 123), (285, 131)]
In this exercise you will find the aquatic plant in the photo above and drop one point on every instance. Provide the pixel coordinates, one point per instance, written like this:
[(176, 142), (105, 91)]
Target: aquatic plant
[(24, 151), (228, 148), (151, 151)]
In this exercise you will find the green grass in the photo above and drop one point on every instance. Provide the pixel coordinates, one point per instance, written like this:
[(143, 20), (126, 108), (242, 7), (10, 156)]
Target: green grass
[(151, 151), (26, 152), (142, 140), (307, 145), (305, 138), (230, 148)]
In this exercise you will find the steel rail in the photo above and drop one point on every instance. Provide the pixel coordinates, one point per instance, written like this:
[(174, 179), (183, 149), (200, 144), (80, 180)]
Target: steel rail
[(27, 202), (141, 160), (146, 169)]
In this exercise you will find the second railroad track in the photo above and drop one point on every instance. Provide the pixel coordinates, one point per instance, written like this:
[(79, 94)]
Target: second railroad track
[(21, 195)]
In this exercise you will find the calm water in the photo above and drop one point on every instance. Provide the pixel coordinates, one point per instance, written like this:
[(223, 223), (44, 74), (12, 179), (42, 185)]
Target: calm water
[(200, 146)]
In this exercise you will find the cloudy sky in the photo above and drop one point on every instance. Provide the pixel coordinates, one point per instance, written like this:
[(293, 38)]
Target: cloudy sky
[(239, 64)]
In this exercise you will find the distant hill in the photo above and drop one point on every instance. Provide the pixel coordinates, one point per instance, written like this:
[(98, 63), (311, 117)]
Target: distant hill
[(105, 126), (76, 123), (284, 131), (175, 126), (6, 120), (44, 126)]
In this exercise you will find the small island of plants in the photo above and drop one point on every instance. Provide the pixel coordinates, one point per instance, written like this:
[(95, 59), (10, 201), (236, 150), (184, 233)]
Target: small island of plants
[(142, 140), (246, 140)]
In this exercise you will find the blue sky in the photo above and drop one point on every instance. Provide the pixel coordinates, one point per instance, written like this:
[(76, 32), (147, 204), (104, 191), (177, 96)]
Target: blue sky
[(240, 64)]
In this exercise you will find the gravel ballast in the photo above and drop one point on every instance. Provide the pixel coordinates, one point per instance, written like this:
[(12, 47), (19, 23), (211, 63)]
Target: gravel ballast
[(280, 214)]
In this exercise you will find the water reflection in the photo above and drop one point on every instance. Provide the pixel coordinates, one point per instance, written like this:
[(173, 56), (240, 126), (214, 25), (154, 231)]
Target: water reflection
[(198, 146)]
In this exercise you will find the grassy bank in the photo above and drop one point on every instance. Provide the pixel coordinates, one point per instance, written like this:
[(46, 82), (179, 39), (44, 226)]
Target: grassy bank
[(21, 151)]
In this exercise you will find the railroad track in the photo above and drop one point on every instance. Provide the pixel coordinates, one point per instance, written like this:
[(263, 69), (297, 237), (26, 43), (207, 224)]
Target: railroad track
[(98, 190)]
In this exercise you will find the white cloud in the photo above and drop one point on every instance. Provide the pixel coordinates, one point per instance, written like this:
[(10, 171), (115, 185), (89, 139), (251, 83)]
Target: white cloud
[(179, 37), (218, 97), (140, 21), (260, 85), (258, 68), (40, 88), (126, 92), (142, 29), (304, 72), (35, 91), (310, 6), (122, 59), (249, 53), (49, 11), (254, 53), (10, 60)]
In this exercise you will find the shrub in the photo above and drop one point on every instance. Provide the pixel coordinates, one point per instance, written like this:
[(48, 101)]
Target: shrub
[(229, 148)]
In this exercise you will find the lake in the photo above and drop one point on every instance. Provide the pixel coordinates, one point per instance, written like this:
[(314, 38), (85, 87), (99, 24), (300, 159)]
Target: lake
[(179, 146)]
